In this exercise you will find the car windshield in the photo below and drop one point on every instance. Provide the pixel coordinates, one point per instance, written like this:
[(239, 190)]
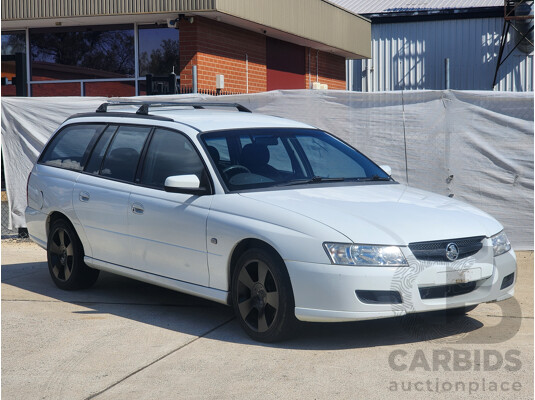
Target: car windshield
[(277, 157)]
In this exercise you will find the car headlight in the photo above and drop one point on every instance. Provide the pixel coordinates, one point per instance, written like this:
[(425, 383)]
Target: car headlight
[(500, 243), (365, 255)]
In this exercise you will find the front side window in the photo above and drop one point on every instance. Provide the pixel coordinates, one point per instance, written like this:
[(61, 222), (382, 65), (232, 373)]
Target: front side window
[(169, 154), (262, 158), (122, 156), (69, 148)]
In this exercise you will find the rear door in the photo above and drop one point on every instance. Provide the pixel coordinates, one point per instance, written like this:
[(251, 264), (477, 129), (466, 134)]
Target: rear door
[(168, 230), (101, 194)]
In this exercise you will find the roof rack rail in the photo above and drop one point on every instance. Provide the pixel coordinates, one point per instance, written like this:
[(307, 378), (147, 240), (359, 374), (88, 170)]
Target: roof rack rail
[(145, 106)]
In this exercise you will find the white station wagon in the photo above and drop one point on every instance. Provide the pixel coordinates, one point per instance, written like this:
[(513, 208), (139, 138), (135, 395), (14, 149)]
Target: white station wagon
[(279, 219)]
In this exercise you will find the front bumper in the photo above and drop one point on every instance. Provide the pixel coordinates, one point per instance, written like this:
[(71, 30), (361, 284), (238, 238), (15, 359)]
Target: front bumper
[(328, 293)]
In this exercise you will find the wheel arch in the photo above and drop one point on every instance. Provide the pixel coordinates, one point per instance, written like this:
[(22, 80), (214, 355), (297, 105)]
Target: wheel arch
[(54, 216), (240, 249)]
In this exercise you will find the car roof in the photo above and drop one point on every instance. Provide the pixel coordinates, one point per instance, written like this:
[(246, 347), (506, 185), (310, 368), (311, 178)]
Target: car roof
[(210, 120), (203, 120)]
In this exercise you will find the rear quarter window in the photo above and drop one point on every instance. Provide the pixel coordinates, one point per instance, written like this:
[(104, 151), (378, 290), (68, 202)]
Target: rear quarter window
[(69, 148)]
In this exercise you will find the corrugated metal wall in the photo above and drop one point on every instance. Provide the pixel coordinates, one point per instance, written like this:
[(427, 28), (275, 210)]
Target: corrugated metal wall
[(410, 56), (31, 9)]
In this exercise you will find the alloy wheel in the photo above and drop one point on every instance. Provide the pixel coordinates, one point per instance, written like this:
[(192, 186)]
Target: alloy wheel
[(258, 296), (62, 254)]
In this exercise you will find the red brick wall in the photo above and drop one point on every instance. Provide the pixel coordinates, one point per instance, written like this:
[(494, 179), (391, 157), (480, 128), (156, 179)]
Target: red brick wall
[(330, 68), (8, 90), (55, 89), (110, 89), (218, 48)]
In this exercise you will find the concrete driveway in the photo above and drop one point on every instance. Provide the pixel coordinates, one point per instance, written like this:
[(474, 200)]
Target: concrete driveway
[(123, 339)]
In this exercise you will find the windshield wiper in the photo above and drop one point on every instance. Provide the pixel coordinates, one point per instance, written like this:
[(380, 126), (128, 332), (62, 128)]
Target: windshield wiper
[(316, 179), (375, 178)]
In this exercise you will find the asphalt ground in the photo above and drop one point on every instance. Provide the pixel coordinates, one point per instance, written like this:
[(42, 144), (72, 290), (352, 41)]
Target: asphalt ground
[(124, 339)]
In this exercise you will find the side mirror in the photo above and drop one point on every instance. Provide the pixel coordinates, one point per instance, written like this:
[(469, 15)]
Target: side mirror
[(189, 184), (387, 169)]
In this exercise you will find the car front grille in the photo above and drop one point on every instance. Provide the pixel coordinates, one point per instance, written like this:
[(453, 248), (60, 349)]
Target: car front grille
[(436, 250), (438, 292)]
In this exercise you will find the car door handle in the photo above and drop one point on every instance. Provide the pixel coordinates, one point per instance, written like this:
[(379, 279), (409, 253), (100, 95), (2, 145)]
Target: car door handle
[(84, 196), (137, 208)]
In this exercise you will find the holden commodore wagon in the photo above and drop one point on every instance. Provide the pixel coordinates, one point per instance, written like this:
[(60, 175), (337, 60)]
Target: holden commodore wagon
[(276, 218)]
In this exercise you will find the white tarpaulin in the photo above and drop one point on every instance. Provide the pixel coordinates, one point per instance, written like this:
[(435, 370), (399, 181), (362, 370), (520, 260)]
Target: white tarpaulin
[(477, 146)]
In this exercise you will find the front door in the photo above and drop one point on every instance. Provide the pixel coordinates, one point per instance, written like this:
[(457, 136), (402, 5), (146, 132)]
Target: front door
[(168, 230)]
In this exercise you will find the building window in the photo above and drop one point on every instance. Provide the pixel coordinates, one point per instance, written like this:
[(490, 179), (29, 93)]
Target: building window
[(97, 52), (13, 63), (89, 60), (158, 50), (13, 42)]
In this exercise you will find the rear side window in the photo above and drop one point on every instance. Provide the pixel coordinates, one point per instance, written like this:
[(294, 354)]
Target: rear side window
[(69, 148), (123, 154), (169, 154), (93, 165)]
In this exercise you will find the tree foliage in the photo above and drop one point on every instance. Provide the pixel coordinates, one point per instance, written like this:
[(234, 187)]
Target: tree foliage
[(161, 60), (111, 51)]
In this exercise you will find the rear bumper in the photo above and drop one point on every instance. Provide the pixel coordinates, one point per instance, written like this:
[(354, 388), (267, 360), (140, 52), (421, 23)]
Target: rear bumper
[(328, 293)]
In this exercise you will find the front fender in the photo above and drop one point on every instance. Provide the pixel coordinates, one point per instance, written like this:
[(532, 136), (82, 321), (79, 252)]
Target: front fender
[(234, 218)]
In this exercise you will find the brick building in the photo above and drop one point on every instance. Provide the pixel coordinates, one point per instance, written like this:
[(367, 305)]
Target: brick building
[(108, 48)]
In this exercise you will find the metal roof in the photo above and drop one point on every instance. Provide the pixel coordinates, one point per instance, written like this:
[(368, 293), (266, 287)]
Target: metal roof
[(392, 6)]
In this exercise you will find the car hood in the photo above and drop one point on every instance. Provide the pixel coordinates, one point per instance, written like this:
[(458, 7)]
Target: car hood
[(390, 214)]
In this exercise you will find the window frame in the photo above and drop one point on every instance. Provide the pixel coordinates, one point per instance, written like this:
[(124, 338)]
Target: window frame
[(142, 157), (137, 79), (141, 153)]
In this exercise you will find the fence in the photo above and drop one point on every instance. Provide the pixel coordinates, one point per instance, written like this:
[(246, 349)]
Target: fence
[(210, 92), (477, 146), (6, 232)]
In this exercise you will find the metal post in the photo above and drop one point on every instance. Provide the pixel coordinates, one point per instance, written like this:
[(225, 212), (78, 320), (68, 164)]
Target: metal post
[(247, 73), (28, 70), (148, 84), (136, 58), (194, 79), (447, 73), (172, 83), (20, 73)]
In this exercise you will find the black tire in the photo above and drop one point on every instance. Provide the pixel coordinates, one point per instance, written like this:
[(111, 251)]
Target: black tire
[(262, 296), (460, 311), (65, 256)]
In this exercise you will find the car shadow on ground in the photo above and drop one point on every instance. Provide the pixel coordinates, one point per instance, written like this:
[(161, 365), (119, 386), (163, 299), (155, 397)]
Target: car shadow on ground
[(149, 304)]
